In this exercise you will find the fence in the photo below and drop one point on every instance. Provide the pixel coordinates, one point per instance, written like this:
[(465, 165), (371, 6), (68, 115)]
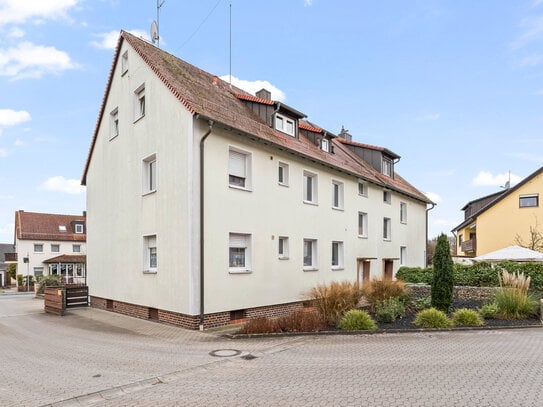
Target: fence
[(58, 299)]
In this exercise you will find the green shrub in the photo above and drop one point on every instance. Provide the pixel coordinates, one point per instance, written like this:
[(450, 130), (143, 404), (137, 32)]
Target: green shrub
[(432, 318), (422, 303), (48, 281), (19, 279), (389, 310), (467, 317), (489, 311), (512, 297), (379, 290), (442, 286), (416, 275), (334, 299), (357, 320)]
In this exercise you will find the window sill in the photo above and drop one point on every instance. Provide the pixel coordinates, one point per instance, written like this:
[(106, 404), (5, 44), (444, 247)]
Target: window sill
[(403, 223), (239, 271), (307, 268), (362, 236), (149, 192), (154, 271), (113, 137), (337, 268), (283, 257), (240, 188), (137, 119), (337, 208), (387, 240), (364, 195), (311, 203), (282, 184)]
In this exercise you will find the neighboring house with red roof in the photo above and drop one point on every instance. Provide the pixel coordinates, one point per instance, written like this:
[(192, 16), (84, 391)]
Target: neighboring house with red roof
[(47, 243), (207, 204), (5, 249)]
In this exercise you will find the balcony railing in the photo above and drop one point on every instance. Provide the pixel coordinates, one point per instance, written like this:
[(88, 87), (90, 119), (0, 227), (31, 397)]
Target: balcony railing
[(10, 257), (469, 246)]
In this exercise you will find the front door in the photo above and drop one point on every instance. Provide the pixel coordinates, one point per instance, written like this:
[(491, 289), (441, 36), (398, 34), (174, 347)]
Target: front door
[(363, 271), (388, 267)]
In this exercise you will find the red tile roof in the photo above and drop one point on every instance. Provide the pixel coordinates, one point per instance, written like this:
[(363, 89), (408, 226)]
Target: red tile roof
[(251, 98), (369, 146), (205, 95), (67, 258), (45, 226), (305, 125)]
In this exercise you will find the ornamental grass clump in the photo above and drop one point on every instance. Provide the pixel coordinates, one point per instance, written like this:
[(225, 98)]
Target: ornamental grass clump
[(389, 310), (357, 320), (377, 291), (467, 317), (512, 299), (334, 299), (432, 318)]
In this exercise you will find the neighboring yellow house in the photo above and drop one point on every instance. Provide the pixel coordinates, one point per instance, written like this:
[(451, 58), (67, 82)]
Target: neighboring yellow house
[(510, 217)]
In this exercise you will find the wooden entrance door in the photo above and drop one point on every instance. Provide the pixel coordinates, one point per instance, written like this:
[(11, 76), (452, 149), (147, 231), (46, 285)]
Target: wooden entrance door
[(363, 271), (388, 267)]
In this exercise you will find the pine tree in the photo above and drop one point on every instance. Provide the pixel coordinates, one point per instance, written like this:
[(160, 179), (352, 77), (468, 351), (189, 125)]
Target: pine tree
[(442, 287)]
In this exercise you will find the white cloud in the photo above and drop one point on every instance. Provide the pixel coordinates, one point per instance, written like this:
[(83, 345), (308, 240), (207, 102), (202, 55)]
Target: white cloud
[(254, 86), (485, 178), (28, 60), (308, 3), (19, 143), (61, 184), (16, 33), (107, 40), (3, 152), (532, 30), (20, 11), (10, 117), (428, 117), (433, 197)]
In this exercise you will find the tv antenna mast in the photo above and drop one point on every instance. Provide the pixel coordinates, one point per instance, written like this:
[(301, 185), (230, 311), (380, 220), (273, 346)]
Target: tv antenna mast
[(155, 37)]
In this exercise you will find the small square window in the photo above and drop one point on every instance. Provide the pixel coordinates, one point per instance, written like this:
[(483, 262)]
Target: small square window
[(403, 255), (283, 174), (150, 259), (38, 248), (124, 62), (139, 102), (387, 167), (325, 145), (529, 201), (362, 189), (76, 248), (79, 228), (362, 224), (55, 248), (284, 124), (114, 124), (239, 253), (239, 168), (310, 254), (403, 212), (387, 197), (283, 247)]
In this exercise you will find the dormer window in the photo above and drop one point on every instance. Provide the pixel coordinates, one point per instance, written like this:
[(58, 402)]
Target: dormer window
[(325, 145), (78, 228), (387, 167), (284, 124)]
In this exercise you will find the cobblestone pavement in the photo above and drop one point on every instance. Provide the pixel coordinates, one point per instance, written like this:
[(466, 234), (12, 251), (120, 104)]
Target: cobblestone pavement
[(96, 358)]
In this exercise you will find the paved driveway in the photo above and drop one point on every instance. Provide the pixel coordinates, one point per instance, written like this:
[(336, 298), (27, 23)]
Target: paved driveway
[(93, 357)]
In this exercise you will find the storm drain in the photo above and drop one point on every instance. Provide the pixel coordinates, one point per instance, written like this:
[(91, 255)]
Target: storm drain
[(224, 353)]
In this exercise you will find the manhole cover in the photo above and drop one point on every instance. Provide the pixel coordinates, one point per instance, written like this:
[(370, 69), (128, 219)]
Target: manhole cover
[(225, 353)]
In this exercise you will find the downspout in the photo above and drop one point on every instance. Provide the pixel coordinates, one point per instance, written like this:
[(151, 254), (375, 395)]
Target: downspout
[(208, 132), (426, 252)]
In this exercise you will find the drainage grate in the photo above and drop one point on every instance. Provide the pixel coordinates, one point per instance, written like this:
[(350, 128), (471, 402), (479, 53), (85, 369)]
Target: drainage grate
[(249, 357)]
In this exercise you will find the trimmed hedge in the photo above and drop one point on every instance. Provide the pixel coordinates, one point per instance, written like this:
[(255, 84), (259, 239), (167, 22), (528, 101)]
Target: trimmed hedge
[(476, 275)]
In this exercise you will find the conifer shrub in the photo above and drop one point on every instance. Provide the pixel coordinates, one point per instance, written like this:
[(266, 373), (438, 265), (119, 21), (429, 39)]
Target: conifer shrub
[(442, 286), (467, 317), (357, 320), (432, 318)]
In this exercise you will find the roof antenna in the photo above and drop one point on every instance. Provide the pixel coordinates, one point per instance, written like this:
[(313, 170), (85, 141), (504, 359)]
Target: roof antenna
[(230, 76), (508, 183), (155, 37)]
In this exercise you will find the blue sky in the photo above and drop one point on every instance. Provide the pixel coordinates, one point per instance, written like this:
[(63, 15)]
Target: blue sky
[(455, 87)]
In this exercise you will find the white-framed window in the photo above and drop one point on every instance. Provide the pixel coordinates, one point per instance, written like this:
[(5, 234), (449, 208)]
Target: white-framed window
[(403, 212), (149, 176), (55, 248), (150, 256), (362, 189), (239, 253), (114, 123), (325, 145), (38, 247), (282, 249), (38, 271), (386, 228), (337, 255), (403, 255), (529, 201), (310, 254), (284, 124), (76, 248), (387, 166), (310, 187), (283, 174), (139, 102), (124, 62), (79, 228), (337, 195), (387, 197), (362, 224), (239, 168)]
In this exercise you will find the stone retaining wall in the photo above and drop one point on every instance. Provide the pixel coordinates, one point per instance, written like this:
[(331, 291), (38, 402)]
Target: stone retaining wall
[(459, 292)]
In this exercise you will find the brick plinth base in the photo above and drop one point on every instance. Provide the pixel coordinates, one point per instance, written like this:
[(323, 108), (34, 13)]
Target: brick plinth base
[(192, 321)]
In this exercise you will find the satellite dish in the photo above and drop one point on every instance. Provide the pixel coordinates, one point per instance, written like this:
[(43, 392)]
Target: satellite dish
[(154, 32)]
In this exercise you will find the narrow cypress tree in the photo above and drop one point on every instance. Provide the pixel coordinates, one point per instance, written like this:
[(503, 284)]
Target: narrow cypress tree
[(442, 287)]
